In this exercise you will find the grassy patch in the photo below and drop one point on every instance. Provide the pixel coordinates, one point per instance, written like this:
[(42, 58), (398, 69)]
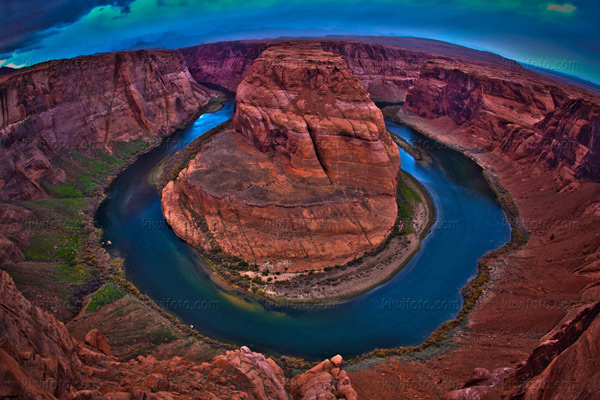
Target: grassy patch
[(63, 191), (161, 335), (107, 294), (406, 199), (75, 274)]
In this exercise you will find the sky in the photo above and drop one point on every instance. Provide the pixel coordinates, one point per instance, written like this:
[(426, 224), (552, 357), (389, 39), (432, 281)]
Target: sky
[(562, 36)]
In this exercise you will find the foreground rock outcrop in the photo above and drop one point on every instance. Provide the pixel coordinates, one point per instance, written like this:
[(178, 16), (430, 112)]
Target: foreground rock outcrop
[(86, 104), (566, 363), (38, 357), (306, 178), (40, 360)]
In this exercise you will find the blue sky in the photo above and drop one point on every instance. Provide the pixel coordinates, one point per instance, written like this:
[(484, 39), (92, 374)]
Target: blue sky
[(554, 35)]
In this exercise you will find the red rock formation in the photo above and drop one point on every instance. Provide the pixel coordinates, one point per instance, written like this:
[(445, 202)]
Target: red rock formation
[(386, 66), (306, 106), (308, 177), (14, 232), (529, 288), (87, 103), (566, 363), (493, 116), (37, 352), (517, 112), (322, 380), (224, 64), (572, 135), (385, 71), (40, 360)]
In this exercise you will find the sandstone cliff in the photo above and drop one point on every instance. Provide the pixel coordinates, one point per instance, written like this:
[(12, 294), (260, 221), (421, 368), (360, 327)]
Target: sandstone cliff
[(307, 178), (516, 112), (306, 106), (493, 100), (386, 66), (87, 104), (40, 360), (385, 71), (223, 64), (565, 365)]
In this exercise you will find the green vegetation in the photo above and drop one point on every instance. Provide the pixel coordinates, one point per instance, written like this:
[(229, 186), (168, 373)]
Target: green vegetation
[(62, 235), (108, 294), (161, 335), (406, 200)]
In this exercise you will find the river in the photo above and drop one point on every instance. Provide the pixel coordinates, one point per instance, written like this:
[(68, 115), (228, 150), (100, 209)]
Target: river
[(402, 311)]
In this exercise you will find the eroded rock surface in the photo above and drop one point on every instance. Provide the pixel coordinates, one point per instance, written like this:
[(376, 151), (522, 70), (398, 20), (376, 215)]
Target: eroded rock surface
[(306, 178), (566, 363), (85, 104), (40, 360), (518, 113)]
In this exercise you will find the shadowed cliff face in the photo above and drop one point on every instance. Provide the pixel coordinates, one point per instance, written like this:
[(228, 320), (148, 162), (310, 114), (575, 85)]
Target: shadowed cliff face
[(307, 179), (573, 133), (87, 104), (565, 365), (520, 114), (385, 71), (222, 64)]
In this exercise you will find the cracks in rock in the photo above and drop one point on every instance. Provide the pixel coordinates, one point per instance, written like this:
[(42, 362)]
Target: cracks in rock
[(357, 223), (311, 237), (237, 217), (316, 150)]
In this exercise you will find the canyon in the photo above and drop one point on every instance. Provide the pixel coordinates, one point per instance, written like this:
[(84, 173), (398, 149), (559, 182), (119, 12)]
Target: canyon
[(55, 365), (534, 331), (305, 179), (86, 104)]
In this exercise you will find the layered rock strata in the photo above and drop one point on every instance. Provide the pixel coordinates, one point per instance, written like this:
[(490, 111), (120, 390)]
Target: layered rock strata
[(40, 360), (514, 112), (306, 178), (86, 104)]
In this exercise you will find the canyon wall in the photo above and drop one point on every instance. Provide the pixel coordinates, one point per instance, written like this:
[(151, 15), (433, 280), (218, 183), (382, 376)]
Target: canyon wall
[(516, 112), (386, 66), (509, 119), (86, 104), (307, 177), (493, 100), (40, 360), (223, 64), (385, 71)]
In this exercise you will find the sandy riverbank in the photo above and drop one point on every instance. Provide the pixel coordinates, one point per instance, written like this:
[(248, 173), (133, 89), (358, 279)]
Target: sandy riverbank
[(360, 276)]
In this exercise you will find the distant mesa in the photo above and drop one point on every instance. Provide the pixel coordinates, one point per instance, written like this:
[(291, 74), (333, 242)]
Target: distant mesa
[(6, 70), (305, 179)]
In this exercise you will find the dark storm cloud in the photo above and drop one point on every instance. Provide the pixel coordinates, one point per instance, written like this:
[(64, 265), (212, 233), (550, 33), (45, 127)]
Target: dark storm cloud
[(25, 22)]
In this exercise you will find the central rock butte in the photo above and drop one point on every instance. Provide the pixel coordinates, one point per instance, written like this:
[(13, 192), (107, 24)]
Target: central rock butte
[(305, 179)]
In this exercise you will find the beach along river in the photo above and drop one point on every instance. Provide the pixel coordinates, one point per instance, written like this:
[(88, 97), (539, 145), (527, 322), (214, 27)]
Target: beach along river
[(402, 311)]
